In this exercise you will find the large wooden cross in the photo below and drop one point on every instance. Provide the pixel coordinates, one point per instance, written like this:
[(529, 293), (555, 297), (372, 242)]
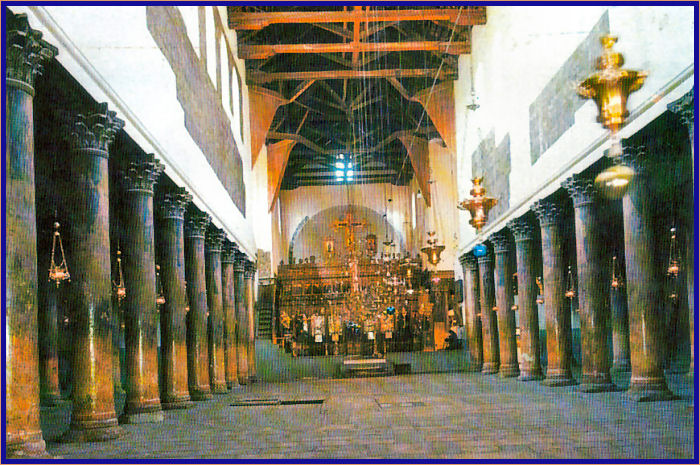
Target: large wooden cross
[(349, 224)]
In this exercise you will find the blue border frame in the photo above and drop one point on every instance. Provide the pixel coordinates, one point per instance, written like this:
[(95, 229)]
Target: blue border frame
[(696, 196)]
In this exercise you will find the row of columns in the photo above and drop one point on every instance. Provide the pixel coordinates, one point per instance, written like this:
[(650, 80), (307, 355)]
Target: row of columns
[(635, 320), (206, 322)]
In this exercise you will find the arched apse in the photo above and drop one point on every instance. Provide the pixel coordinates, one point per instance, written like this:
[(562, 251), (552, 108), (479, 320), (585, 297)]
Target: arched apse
[(308, 240)]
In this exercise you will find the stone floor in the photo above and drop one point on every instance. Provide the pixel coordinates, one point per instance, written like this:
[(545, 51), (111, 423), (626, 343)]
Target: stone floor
[(458, 415)]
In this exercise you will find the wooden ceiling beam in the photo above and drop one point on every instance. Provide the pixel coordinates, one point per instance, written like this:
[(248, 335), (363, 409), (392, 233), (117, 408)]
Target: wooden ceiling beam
[(261, 52), (466, 16), (257, 77)]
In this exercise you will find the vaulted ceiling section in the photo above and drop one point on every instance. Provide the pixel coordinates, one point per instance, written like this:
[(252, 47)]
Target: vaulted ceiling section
[(373, 83)]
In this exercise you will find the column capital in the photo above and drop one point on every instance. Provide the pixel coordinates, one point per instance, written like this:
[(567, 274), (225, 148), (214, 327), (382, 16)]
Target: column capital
[(26, 51), (196, 223), (522, 229), (228, 252), (548, 212), (172, 204), (213, 239), (581, 189), (468, 261), (637, 158), (250, 268), (684, 107), (500, 241), (239, 263), (95, 131), (141, 175)]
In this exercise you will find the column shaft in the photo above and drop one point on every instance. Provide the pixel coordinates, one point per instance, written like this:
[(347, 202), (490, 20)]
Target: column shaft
[(197, 346), (241, 318), (489, 323), (644, 286), (250, 309), (215, 322), (229, 309), (472, 310), (593, 297), (25, 50), (530, 368), (620, 329), (173, 313), (49, 388), (504, 302), (557, 312)]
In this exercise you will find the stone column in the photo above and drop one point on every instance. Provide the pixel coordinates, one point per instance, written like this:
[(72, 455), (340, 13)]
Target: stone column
[(471, 306), (117, 328), (557, 311), (527, 300), (140, 312), (249, 275), (170, 238), (197, 350), (620, 329), (685, 108), (49, 387), (504, 302), (241, 318), (228, 258), (644, 285), (592, 286), (93, 416), (215, 322), (25, 52), (489, 323)]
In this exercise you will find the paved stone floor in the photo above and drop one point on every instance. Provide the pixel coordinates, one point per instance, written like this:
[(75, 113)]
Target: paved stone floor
[(458, 415)]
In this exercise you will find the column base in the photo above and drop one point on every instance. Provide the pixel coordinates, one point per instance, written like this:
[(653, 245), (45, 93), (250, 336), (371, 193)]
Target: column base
[(242, 380), (489, 368), (200, 395), (621, 366), (509, 370), (219, 389), (92, 431), (32, 447), (138, 418), (649, 390), (176, 401), (558, 379), (51, 400), (530, 376)]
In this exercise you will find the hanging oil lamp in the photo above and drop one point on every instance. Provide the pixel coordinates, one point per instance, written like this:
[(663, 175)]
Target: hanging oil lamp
[(570, 291), (540, 297), (433, 250), (616, 281), (673, 262), (160, 298), (609, 87), (479, 205), (119, 287), (58, 273)]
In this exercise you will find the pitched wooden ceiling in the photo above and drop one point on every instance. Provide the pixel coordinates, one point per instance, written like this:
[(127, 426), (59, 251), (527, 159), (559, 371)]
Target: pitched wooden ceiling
[(334, 80)]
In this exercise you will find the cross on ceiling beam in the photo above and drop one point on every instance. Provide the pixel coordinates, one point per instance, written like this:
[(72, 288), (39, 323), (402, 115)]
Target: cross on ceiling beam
[(260, 52), (468, 16)]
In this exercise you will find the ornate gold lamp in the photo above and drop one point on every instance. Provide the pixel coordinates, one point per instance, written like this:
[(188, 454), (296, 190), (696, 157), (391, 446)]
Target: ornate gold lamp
[(609, 87), (540, 297), (433, 250), (160, 298), (119, 287), (479, 205), (616, 282), (570, 290), (58, 273)]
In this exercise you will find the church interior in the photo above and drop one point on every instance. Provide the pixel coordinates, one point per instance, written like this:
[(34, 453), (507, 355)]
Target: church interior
[(350, 232)]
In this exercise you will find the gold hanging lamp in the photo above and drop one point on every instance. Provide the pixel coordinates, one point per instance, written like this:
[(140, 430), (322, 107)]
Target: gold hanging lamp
[(570, 290), (478, 205), (119, 287), (58, 272), (610, 87), (160, 298), (433, 250), (616, 282)]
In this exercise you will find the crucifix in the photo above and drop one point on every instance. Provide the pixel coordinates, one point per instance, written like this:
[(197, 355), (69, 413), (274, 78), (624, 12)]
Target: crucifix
[(349, 224)]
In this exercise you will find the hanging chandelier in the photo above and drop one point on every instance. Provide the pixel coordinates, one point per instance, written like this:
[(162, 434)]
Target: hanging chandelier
[(616, 281), (610, 87), (570, 290), (479, 205), (540, 297), (119, 287), (160, 298), (58, 273), (433, 250)]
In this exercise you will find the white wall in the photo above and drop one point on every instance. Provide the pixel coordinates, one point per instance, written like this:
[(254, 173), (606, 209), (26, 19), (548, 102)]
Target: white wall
[(516, 54)]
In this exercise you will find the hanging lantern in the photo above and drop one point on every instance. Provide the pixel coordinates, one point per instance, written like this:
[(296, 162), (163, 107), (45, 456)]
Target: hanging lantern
[(119, 287), (570, 291), (673, 262), (58, 273), (616, 281), (609, 87), (160, 298), (479, 205), (432, 250), (540, 297)]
